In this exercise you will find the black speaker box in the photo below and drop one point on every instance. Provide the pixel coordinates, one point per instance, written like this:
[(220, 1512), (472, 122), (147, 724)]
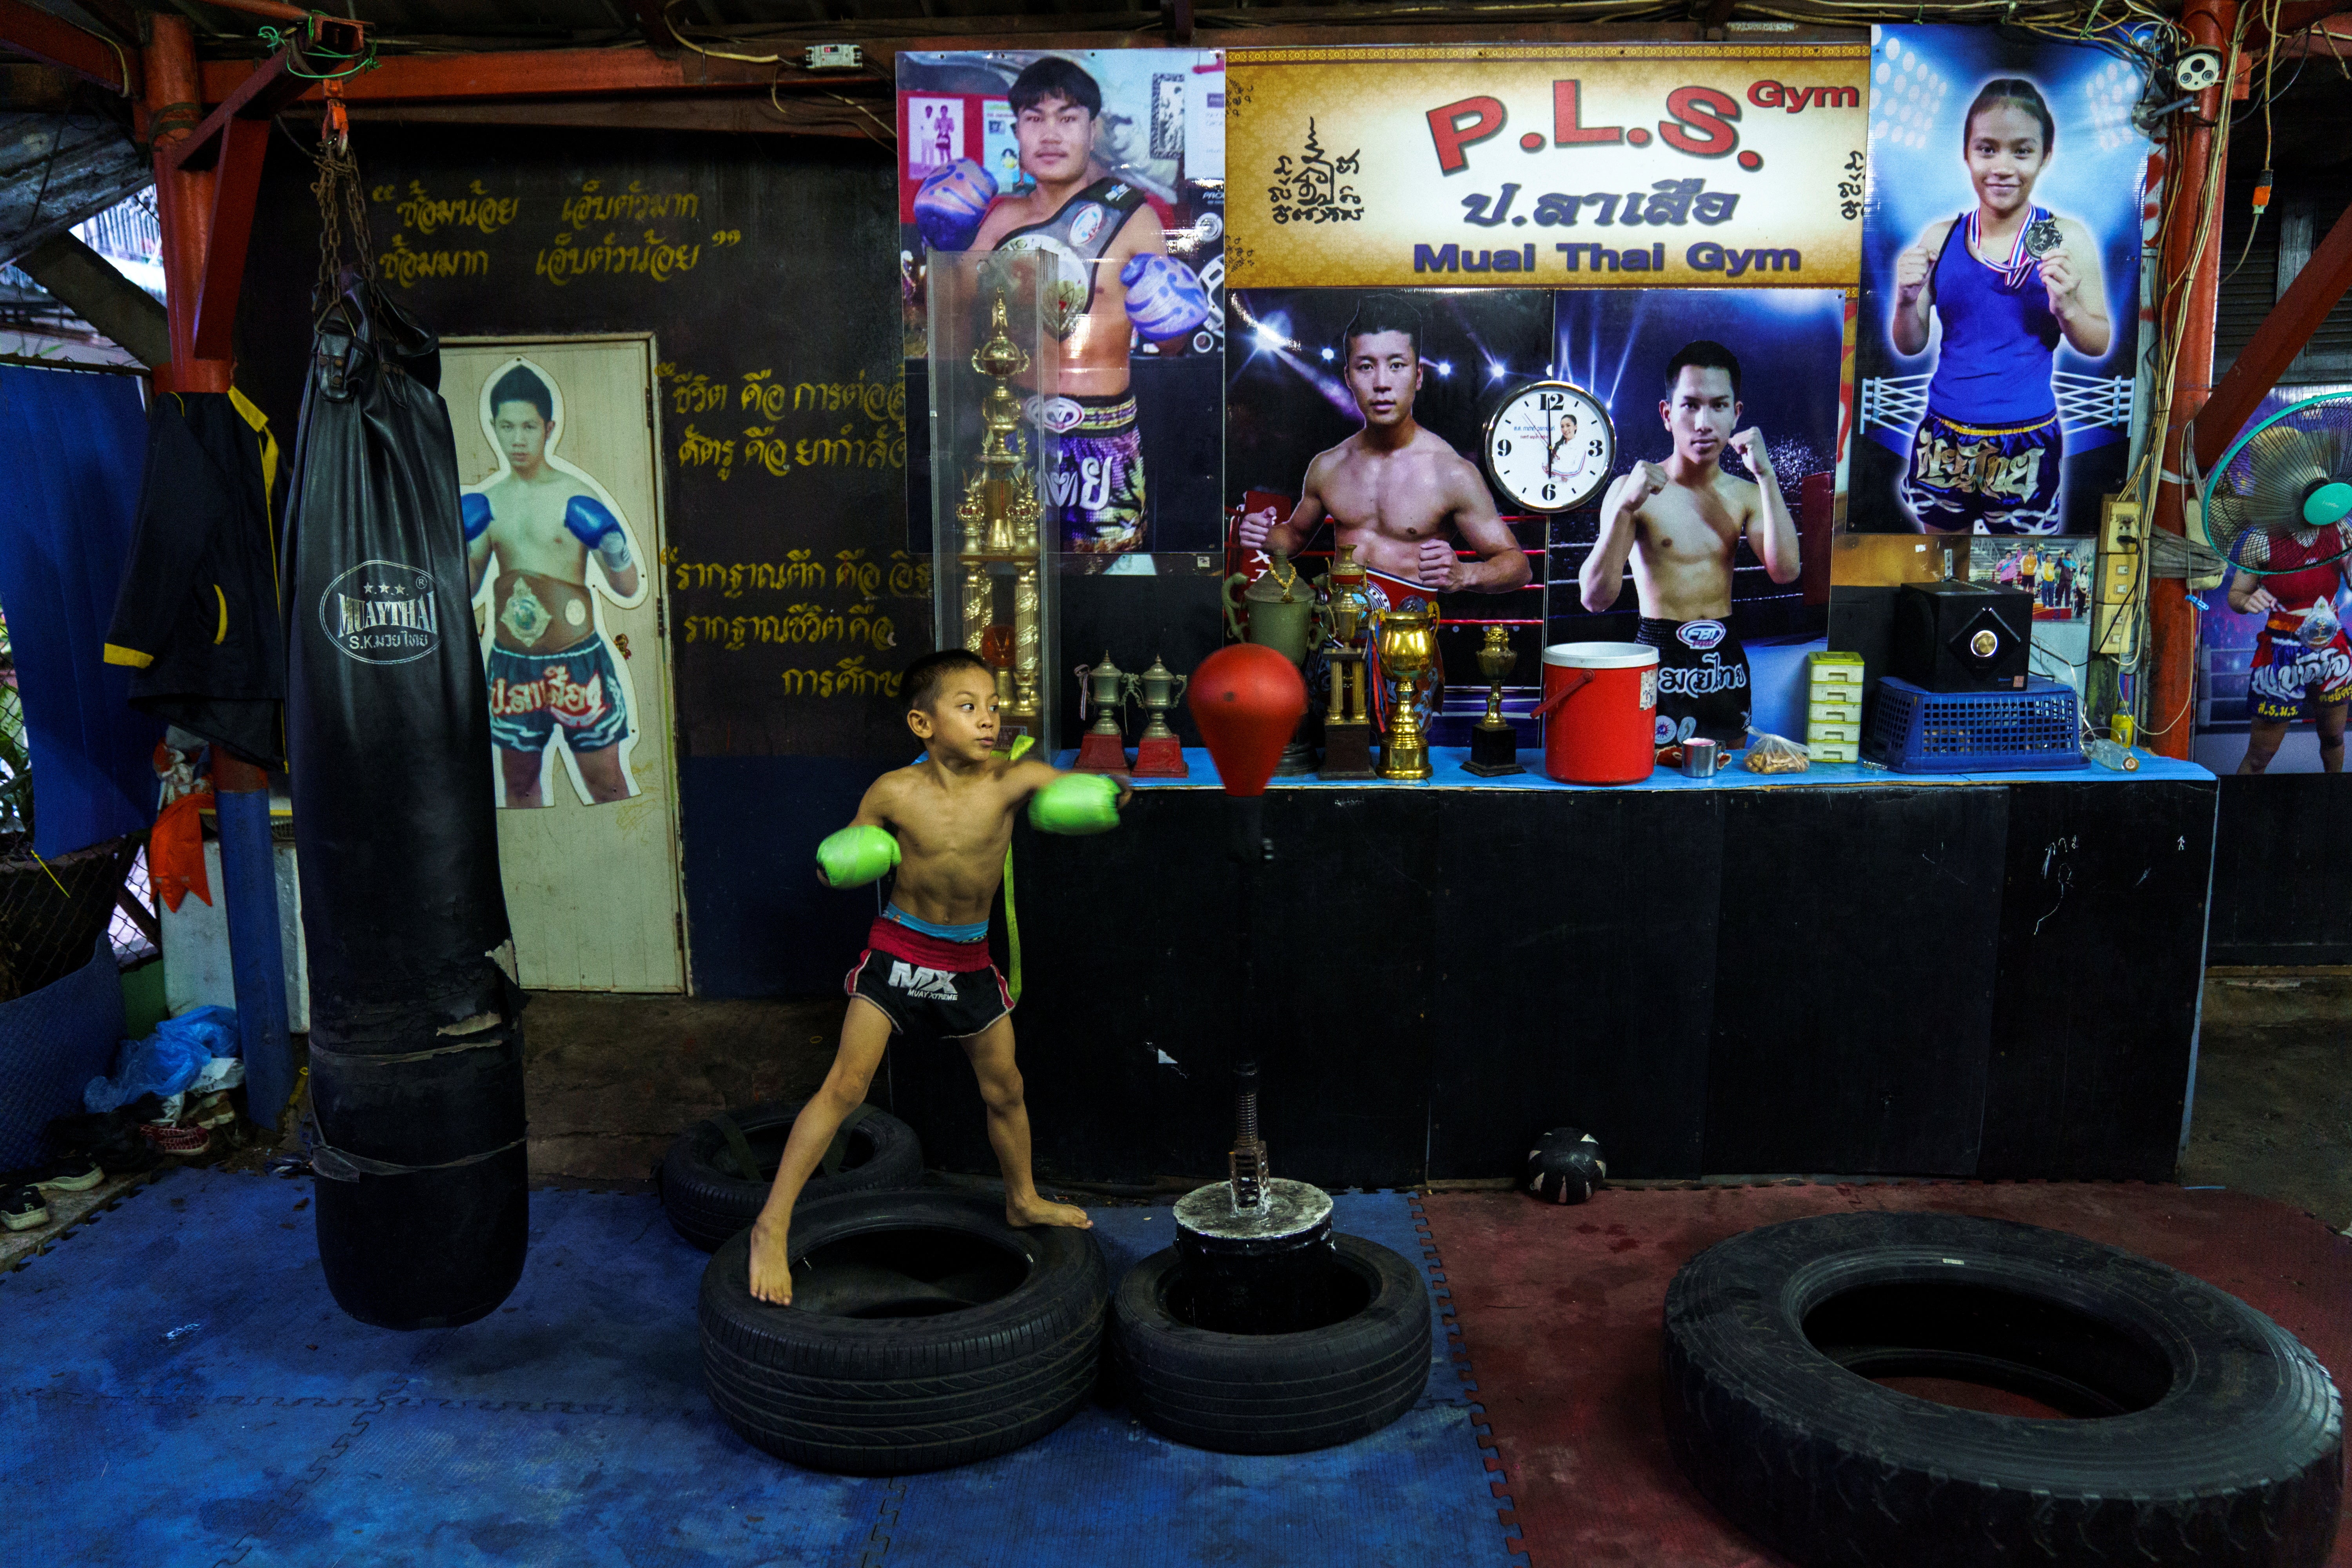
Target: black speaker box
[(1962, 637)]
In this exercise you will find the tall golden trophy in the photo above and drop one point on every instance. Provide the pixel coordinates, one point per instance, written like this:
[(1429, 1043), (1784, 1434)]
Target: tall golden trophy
[(1000, 513), (1408, 647), (1348, 719), (1494, 740)]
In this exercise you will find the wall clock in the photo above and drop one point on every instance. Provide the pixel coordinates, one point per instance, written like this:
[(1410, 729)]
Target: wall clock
[(1551, 447)]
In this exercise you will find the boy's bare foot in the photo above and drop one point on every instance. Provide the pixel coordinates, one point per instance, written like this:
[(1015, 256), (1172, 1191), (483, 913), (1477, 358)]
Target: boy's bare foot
[(772, 1266), (1043, 1211)]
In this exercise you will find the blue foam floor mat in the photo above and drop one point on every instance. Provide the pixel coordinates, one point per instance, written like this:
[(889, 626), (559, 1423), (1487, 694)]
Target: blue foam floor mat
[(183, 1390)]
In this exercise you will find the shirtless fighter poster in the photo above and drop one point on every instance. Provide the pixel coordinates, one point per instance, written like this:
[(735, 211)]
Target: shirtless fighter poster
[(1996, 346), (546, 544), (1109, 165), (1725, 401), (1356, 417), (1722, 400)]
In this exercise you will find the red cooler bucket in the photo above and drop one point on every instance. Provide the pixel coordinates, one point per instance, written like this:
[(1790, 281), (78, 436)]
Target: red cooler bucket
[(1599, 711)]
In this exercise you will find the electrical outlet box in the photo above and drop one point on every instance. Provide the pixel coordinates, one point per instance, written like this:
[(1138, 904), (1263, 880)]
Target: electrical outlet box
[(836, 56), (2122, 575)]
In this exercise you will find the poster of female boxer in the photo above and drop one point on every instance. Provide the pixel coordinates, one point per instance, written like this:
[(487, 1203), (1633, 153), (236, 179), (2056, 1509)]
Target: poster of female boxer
[(1996, 347), (546, 543), (1109, 164)]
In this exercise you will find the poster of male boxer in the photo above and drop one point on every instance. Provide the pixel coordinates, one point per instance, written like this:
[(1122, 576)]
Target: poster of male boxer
[(1726, 401), (1997, 343), (1723, 401), (547, 546), (1357, 416), (1109, 164)]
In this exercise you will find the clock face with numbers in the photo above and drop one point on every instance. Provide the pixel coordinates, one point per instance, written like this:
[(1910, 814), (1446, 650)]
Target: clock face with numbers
[(1550, 446)]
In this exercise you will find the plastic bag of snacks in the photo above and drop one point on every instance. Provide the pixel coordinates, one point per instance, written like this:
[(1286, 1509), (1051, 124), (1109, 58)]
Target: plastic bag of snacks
[(1777, 755)]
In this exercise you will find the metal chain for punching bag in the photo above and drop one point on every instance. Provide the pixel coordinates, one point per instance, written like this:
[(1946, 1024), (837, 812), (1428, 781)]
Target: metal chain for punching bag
[(343, 241)]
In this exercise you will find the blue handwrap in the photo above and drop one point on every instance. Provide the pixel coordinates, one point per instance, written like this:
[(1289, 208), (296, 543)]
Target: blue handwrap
[(975, 932)]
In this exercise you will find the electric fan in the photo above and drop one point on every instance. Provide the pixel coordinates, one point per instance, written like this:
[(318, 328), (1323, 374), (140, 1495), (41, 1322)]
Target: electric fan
[(2280, 499)]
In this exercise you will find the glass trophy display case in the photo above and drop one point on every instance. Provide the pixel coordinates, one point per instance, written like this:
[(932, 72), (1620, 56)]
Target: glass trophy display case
[(993, 582)]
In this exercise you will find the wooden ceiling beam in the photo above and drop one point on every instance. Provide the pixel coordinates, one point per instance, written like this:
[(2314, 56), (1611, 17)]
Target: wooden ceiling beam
[(524, 74), (31, 31)]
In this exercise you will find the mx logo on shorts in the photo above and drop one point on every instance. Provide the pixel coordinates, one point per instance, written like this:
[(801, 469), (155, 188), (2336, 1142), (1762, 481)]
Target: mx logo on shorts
[(927, 984)]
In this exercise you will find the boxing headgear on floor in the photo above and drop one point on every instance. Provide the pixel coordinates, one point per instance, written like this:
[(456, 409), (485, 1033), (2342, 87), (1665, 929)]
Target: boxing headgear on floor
[(1565, 1167)]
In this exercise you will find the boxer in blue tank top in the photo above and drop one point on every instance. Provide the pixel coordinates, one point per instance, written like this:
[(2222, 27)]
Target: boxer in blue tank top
[(2007, 280)]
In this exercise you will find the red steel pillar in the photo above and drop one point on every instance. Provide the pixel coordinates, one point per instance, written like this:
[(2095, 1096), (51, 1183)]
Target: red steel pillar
[(183, 199), (2190, 288)]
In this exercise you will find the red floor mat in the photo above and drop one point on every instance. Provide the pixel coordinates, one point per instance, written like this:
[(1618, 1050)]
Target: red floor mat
[(1559, 1311)]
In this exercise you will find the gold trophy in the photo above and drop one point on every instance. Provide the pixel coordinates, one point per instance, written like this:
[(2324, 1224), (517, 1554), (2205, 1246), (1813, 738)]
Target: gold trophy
[(1494, 740), (1103, 750), (1000, 513), (1347, 721), (1408, 647), (1159, 754)]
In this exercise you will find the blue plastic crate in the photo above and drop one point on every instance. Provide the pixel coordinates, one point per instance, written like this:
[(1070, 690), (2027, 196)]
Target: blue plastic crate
[(1918, 731)]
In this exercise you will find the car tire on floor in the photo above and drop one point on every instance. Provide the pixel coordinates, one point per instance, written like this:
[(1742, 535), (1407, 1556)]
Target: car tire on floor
[(925, 1332), (2206, 1434), (708, 1200), (1275, 1394)]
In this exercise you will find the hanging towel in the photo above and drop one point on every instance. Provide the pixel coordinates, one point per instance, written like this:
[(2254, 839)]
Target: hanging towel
[(73, 440)]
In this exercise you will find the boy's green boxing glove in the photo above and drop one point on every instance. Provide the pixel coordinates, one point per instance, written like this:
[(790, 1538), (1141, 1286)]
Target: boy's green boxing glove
[(857, 855), (1076, 803)]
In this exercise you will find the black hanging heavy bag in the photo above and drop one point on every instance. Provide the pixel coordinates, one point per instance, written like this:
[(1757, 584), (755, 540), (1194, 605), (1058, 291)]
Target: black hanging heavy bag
[(416, 1064), (422, 1189), (388, 715)]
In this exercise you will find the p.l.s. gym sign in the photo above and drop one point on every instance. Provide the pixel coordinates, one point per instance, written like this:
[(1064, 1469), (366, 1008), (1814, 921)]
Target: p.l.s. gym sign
[(1562, 166)]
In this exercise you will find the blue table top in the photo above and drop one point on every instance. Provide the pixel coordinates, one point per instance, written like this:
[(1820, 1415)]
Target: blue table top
[(1449, 774)]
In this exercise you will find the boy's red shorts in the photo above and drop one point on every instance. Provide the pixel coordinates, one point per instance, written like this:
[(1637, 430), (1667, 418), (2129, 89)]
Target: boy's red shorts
[(927, 988)]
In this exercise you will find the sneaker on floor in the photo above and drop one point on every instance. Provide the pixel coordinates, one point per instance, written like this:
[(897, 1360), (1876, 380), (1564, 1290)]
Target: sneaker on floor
[(74, 1174), (176, 1140), (23, 1209)]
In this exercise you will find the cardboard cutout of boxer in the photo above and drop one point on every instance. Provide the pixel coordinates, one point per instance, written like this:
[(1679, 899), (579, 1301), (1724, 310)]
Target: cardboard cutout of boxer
[(556, 682), (1110, 280)]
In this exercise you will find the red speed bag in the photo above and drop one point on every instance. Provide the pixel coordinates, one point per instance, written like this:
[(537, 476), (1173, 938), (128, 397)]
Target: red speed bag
[(1246, 700), (1599, 711)]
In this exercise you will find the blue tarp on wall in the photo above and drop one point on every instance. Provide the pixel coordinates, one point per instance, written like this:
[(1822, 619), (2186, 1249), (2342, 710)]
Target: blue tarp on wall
[(75, 445)]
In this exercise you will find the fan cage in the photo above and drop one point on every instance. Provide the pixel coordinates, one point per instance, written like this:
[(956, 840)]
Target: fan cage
[(1913, 730), (2238, 540)]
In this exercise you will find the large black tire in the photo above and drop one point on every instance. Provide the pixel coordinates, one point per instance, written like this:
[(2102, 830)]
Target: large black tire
[(896, 1392), (1275, 1394), (2210, 1436), (706, 1204)]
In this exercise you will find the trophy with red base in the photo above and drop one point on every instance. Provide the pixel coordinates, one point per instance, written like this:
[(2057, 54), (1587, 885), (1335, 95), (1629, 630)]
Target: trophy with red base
[(1103, 750), (1159, 754)]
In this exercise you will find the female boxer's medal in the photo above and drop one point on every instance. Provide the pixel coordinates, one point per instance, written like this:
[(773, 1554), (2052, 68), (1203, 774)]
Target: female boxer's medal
[(2042, 237)]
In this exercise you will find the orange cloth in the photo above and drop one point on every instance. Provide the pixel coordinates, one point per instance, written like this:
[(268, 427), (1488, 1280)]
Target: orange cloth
[(175, 852)]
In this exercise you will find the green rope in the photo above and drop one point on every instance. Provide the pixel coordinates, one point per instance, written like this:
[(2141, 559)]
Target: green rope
[(1012, 916), (289, 39)]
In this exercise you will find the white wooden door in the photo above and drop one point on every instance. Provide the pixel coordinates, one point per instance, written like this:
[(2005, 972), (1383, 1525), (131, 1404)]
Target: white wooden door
[(593, 884)]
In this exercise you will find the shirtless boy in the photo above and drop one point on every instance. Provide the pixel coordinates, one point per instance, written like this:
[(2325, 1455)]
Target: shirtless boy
[(926, 972), (1396, 490), (1110, 277), (1681, 522), (549, 668)]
